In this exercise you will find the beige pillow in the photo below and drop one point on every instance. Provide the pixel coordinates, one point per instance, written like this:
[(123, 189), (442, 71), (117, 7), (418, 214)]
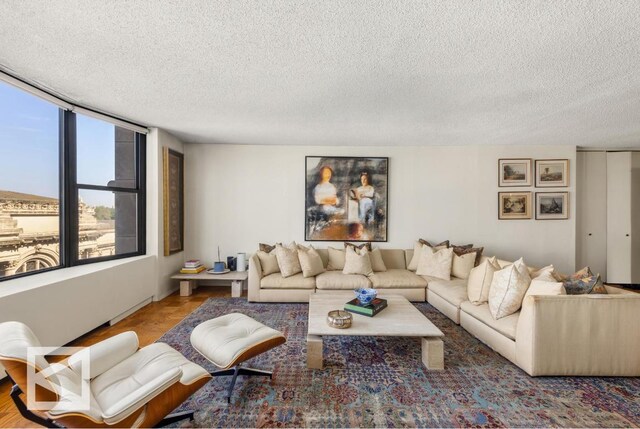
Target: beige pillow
[(543, 287), (268, 262), (508, 287), (480, 279), (377, 264), (310, 261), (435, 264), (417, 251), (463, 264), (336, 259), (357, 262), (288, 259)]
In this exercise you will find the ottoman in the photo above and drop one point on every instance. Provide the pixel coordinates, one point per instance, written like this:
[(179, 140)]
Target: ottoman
[(229, 340)]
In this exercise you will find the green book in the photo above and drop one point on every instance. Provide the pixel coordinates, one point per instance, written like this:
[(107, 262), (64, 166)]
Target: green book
[(371, 309)]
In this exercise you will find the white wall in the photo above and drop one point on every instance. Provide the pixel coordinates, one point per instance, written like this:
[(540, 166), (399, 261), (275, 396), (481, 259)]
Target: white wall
[(61, 305), (64, 304), (157, 140), (238, 196)]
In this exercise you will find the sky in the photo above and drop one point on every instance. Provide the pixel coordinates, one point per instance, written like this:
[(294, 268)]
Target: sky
[(29, 157)]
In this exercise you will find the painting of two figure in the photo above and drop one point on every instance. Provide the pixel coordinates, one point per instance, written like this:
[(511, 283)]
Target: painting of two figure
[(346, 198)]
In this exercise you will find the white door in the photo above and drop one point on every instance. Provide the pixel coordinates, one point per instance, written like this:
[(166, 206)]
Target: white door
[(591, 213), (618, 217)]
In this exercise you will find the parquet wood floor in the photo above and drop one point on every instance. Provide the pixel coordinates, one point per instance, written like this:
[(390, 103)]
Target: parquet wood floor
[(150, 322)]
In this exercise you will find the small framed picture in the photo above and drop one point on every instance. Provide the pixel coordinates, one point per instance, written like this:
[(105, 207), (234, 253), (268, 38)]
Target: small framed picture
[(514, 205), (552, 173), (552, 205), (514, 172)]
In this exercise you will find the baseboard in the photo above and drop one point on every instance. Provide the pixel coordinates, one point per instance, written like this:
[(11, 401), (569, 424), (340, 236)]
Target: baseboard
[(129, 311), (166, 294)]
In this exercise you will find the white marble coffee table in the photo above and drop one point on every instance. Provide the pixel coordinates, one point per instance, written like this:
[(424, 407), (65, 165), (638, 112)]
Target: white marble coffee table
[(399, 319)]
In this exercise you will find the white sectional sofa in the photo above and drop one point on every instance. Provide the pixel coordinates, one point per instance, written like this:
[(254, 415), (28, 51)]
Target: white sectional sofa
[(584, 335)]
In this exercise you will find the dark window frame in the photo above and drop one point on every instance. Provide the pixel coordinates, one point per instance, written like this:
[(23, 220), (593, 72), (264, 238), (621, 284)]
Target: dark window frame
[(68, 198)]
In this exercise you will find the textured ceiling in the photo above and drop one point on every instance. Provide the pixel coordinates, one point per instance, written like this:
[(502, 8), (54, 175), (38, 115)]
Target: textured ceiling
[(353, 72)]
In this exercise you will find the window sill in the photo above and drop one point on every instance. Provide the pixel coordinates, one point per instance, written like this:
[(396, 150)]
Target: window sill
[(35, 281)]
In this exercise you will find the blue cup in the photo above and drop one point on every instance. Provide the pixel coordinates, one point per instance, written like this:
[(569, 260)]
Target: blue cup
[(218, 267)]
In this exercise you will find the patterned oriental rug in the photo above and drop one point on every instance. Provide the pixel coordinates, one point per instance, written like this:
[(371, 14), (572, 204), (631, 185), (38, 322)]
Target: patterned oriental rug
[(381, 382)]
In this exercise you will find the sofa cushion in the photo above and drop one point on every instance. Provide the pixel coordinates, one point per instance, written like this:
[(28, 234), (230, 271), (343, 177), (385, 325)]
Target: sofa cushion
[(357, 261), (268, 262), (395, 278), (506, 325), (337, 258), (338, 280), (507, 290), (453, 291), (288, 259), (463, 264), (480, 281), (296, 281), (435, 263), (394, 258), (377, 263), (310, 261)]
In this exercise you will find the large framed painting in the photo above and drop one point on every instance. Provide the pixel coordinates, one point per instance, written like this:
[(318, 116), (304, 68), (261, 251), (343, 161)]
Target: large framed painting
[(346, 198), (514, 205), (173, 201), (552, 173), (514, 172)]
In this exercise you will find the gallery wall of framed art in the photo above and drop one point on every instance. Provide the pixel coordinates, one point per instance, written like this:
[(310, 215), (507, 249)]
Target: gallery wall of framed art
[(547, 173)]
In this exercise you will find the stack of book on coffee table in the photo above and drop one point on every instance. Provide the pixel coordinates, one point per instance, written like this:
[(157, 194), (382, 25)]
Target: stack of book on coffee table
[(371, 309), (193, 266)]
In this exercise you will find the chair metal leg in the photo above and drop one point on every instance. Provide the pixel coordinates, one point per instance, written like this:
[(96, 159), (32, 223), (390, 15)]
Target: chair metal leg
[(176, 417), (235, 372)]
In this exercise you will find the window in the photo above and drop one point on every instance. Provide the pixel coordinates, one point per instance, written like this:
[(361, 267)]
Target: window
[(72, 188), (29, 183), (108, 191)]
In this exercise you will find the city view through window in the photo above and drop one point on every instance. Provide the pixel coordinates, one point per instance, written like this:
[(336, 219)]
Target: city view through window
[(30, 185)]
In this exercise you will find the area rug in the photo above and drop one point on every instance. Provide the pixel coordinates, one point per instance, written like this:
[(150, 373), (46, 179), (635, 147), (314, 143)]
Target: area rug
[(381, 382)]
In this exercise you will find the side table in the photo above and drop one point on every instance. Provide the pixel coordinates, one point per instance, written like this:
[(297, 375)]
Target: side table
[(188, 282)]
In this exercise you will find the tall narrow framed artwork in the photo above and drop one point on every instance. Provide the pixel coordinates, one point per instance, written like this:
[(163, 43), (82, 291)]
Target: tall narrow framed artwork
[(173, 201), (346, 198), (514, 172), (552, 173)]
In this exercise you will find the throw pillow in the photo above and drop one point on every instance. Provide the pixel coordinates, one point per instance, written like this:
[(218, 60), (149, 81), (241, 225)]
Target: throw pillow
[(463, 264), (310, 261), (462, 250), (417, 251), (543, 287), (439, 246), (508, 288), (435, 264), (268, 262), (480, 279), (336, 259), (288, 259), (358, 246), (267, 247), (357, 262), (584, 282), (377, 264)]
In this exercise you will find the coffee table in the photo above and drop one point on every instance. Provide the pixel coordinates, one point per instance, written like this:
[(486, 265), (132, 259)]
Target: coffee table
[(399, 319)]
